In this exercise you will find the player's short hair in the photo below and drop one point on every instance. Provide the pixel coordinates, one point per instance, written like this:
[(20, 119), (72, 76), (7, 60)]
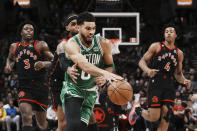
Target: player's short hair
[(69, 18), (85, 17), (20, 27), (170, 25)]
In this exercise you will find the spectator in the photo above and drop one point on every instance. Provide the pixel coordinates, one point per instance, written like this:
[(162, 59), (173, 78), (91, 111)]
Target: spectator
[(179, 111), (12, 116), (2, 115)]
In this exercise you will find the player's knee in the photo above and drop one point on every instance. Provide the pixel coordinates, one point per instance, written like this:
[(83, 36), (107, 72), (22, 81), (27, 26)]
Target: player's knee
[(154, 114), (26, 117), (155, 118)]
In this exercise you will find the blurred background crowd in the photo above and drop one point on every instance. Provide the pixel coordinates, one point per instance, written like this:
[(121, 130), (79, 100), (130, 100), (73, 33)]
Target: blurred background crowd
[(49, 15)]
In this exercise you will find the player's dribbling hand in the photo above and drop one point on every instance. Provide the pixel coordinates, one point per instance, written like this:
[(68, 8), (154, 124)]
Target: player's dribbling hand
[(7, 69), (100, 81), (38, 65), (152, 72), (72, 72), (111, 77), (187, 83)]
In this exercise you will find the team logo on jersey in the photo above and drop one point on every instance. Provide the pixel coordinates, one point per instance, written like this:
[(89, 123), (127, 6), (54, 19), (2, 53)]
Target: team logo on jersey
[(96, 49), (21, 94), (26, 52), (168, 55), (99, 114), (30, 45), (155, 99)]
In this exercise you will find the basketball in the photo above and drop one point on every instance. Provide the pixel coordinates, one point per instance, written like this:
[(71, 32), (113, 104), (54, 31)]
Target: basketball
[(120, 92)]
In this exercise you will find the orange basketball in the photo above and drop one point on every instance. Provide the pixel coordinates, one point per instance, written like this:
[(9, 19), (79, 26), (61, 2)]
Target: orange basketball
[(120, 92)]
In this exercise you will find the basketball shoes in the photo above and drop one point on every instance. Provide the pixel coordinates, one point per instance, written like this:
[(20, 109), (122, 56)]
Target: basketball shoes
[(134, 113)]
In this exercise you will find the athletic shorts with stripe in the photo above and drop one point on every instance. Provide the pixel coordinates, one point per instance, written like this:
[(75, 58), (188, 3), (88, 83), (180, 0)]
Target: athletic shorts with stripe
[(161, 91), (34, 92), (88, 96)]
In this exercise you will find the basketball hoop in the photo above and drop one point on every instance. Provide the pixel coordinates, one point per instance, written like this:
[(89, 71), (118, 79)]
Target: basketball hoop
[(115, 46)]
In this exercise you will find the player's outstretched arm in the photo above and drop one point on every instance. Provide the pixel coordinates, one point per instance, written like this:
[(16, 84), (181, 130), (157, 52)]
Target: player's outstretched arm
[(178, 72), (143, 63), (108, 60), (73, 52), (45, 51), (10, 59)]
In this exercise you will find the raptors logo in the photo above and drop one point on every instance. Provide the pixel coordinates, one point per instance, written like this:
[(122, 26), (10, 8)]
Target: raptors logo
[(99, 115), (155, 99), (21, 94)]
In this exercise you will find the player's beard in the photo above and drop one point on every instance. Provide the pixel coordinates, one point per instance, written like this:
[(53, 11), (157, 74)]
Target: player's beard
[(85, 40)]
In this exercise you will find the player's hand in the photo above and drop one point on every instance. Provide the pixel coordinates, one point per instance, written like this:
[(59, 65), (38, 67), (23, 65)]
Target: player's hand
[(100, 81), (152, 72), (72, 72), (187, 83), (7, 69), (111, 77), (39, 65)]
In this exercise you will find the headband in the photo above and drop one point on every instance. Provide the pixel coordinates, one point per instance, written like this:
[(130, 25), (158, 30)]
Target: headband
[(69, 19)]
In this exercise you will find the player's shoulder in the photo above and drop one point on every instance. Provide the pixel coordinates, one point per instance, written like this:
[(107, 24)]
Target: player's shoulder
[(13, 45), (155, 45), (41, 42), (61, 44), (179, 52), (71, 44)]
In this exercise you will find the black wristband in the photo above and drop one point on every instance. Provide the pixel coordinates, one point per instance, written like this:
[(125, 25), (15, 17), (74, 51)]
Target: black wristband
[(64, 62)]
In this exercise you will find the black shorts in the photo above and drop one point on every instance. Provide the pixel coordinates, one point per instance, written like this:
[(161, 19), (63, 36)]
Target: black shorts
[(160, 91), (56, 87), (34, 92)]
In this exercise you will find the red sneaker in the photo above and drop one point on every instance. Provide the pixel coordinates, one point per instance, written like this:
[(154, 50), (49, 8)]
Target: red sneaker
[(133, 114)]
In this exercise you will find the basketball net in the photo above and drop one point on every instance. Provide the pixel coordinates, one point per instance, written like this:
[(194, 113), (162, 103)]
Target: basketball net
[(115, 46)]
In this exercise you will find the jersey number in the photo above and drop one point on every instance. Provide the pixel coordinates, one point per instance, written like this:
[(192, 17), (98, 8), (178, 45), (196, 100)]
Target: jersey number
[(85, 76), (167, 66), (26, 61)]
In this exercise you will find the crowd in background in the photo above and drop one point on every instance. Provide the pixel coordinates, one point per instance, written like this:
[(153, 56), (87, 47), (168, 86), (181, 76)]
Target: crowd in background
[(49, 20)]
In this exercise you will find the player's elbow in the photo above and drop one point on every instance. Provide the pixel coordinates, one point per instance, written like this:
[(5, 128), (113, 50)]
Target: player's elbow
[(140, 63)]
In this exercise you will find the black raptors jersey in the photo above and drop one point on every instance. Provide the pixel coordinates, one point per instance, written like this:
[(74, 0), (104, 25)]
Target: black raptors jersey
[(165, 60), (26, 57)]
